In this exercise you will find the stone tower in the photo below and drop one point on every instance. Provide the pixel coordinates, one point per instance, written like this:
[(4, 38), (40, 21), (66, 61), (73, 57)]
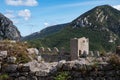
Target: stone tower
[(78, 47)]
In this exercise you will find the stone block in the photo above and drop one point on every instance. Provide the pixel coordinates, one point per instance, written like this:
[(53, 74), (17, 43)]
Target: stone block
[(11, 59), (22, 78), (91, 54), (0, 66), (15, 75), (32, 78), (68, 66), (9, 68), (118, 72), (23, 68), (1, 59), (60, 64), (3, 54), (39, 58), (24, 74), (96, 54), (42, 73)]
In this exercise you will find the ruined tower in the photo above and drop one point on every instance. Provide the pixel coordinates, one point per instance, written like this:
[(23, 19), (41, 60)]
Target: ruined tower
[(78, 47)]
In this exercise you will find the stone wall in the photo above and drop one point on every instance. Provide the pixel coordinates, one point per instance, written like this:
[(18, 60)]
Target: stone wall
[(55, 57), (90, 68), (76, 71)]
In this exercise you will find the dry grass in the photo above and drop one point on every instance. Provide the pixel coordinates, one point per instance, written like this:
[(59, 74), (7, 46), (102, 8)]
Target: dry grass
[(114, 59), (17, 49)]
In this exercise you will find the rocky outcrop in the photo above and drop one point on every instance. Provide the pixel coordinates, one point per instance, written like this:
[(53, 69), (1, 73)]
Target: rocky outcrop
[(8, 30)]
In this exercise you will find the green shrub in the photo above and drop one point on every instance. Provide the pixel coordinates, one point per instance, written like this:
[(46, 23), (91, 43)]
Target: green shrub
[(62, 76), (18, 49), (4, 77)]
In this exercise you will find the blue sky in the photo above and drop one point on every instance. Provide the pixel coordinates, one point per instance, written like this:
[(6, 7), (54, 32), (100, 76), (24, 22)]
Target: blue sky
[(33, 15)]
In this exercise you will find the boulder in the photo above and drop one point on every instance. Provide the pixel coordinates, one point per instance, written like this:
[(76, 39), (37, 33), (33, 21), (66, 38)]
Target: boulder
[(48, 50), (55, 50), (3, 54), (0, 66), (42, 50), (32, 78), (33, 51), (1, 59), (15, 74), (60, 64), (97, 54), (23, 68), (22, 78), (42, 73), (11, 59), (91, 54), (34, 66), (9, 68), (68, 65), (39, 58)]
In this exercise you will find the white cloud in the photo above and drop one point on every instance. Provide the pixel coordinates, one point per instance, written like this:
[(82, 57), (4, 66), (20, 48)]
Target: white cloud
[(26, 14), (9, 14), (46, 24), (22, 2), (117, 7)]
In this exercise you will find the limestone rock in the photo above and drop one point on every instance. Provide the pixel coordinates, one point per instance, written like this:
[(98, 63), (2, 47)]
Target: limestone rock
[(22, 78), (11, 59), (3, 54), (97, 54), (32, 78), (33, 51), (39, 58), (9, 68), (60, 64), (91, 54), (0, 66), (55, 50), (42, 73), (23, 68), (8, 30), (42, 50)]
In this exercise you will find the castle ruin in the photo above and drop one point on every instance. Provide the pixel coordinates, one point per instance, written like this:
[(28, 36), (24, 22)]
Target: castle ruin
[(79, 46)]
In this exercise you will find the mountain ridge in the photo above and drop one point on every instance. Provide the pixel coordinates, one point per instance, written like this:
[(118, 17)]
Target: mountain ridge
[(100, 25), (44, 32), (8, 30)]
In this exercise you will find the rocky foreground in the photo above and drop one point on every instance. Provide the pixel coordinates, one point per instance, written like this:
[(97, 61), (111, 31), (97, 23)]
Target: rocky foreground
[(19, 62), (82, 69)]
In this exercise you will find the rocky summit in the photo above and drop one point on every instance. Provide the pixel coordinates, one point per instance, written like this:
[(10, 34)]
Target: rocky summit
[(100, 24), (7, 29)]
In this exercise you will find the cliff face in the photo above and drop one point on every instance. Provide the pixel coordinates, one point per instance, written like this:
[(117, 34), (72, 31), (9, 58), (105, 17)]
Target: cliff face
[(7, 29)]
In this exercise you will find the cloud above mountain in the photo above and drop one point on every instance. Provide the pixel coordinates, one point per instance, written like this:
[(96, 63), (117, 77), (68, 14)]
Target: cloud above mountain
[(26, 14), (117, 7), (22, 2), (46, 24)]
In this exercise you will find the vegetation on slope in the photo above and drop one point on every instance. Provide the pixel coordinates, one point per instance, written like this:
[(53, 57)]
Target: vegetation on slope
[(99, 40), (17, 49), (99, 25)]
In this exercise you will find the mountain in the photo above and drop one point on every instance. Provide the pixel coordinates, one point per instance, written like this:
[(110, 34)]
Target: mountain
[(100, 24), (45, 32), (7, 29)]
